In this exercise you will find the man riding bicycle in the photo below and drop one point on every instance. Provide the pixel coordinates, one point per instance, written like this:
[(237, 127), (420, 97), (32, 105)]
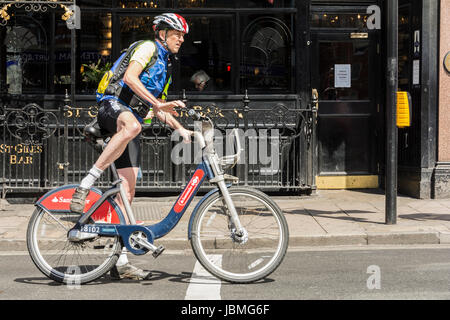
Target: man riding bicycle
[(146, 79)]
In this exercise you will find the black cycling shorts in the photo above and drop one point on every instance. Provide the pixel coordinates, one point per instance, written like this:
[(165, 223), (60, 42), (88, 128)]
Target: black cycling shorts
[(108, 113)]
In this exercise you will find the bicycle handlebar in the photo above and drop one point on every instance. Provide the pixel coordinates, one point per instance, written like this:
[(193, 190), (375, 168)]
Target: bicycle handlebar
[(194, 114), (227, 161)]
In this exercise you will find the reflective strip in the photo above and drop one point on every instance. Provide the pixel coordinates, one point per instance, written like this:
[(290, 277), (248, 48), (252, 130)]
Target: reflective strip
[(166, 89)]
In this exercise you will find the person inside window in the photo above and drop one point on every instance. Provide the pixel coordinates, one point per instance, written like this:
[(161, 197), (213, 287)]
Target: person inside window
[(200, 79)]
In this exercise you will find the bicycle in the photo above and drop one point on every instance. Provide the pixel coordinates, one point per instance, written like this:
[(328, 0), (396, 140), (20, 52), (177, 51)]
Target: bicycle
[(238, 234)]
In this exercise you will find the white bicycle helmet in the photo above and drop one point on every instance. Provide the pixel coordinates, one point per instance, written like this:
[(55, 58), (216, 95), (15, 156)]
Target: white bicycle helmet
[(170, 21)]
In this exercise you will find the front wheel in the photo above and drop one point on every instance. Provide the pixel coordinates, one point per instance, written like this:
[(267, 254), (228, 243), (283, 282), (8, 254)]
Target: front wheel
[(63, 260), (240, 257)]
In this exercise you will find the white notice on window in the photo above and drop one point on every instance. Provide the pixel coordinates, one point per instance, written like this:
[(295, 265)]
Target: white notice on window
[(416, 72), (342, 75)]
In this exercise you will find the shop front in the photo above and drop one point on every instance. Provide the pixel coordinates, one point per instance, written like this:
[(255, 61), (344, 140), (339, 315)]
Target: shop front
[(302, 80)]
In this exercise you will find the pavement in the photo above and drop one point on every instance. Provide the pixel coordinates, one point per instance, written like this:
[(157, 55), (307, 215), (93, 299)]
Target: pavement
[(327, 218)]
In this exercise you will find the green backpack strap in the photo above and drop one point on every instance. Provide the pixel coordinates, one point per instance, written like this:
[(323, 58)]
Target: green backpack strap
[(164, 93)]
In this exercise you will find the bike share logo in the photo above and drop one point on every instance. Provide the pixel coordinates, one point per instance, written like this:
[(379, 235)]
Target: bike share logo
[(181, 203), (64, 200)]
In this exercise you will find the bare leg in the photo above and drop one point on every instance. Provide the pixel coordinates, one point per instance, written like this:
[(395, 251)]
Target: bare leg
[(128, 176), (127, 129), (123, 269)]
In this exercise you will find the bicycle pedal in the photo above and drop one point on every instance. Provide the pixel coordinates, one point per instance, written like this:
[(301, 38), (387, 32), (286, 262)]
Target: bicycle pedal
[(158, 251)]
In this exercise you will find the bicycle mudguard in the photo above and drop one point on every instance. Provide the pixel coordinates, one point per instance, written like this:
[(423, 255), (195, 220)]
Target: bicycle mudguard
[(194, 212), (58, 201)]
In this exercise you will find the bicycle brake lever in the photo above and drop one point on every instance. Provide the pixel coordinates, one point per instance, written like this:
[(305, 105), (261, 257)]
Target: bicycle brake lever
[(195, 115)]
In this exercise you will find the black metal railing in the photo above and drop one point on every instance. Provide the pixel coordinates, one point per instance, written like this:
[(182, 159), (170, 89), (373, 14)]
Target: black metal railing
[(42, 148)]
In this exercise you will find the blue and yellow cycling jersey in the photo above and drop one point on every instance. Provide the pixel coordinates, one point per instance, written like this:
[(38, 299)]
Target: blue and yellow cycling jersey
[(153, 78)]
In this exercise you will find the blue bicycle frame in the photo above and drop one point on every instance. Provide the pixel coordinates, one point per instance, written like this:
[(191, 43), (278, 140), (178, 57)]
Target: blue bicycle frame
[(157, 230), (143, 236)]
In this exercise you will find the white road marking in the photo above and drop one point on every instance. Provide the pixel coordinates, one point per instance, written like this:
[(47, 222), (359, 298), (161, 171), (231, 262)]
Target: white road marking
[(203, 285)]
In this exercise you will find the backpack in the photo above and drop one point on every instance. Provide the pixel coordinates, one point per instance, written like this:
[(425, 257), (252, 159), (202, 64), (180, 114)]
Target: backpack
[(109, 85)]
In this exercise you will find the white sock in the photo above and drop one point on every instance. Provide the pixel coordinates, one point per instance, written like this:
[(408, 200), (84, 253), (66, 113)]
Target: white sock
[(90, 179), (123, 259)]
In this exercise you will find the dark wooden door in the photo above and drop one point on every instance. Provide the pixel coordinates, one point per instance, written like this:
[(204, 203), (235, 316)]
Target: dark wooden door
[(345, 76)]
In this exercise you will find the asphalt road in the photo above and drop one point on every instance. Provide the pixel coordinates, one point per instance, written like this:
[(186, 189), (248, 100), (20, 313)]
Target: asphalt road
[(421, 272)]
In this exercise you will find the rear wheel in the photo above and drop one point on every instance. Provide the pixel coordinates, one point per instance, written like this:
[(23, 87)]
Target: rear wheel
[(246, 257), (68, 261)]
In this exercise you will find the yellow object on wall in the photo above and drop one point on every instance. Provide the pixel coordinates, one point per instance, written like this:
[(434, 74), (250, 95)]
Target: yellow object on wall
[(403, 109)]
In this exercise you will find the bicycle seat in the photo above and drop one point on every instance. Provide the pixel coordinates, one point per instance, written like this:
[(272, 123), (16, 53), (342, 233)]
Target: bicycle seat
[(92, 131)]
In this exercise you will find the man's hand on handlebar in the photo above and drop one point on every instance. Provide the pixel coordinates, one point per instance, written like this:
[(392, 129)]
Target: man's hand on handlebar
[(169, 107)]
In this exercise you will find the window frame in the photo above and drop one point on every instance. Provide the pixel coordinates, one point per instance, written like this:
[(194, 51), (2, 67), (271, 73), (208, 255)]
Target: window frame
[(290, 25), (236, 16), (177, 80), (236, 39)]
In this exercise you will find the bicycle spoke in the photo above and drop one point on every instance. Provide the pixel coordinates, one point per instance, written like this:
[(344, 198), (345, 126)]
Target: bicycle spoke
[(56, 256), (49, 214), (249, 253)]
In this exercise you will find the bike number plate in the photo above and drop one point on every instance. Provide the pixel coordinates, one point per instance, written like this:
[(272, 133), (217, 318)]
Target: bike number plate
[(90, 229)]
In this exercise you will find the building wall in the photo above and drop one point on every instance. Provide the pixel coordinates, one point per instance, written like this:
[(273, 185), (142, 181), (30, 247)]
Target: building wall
[(442, 172), (444, 85)]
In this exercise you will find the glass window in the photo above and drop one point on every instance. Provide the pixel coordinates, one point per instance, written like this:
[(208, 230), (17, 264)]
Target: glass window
[(62, 53), (236, 3), (26, 53), (150, 4), (404, 41), (266, 3), (134, 28), (95, 45), (208, 47), (94, 4), (93, 53), (266, 53), (205, 4), (355, 55), (339, 20)]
